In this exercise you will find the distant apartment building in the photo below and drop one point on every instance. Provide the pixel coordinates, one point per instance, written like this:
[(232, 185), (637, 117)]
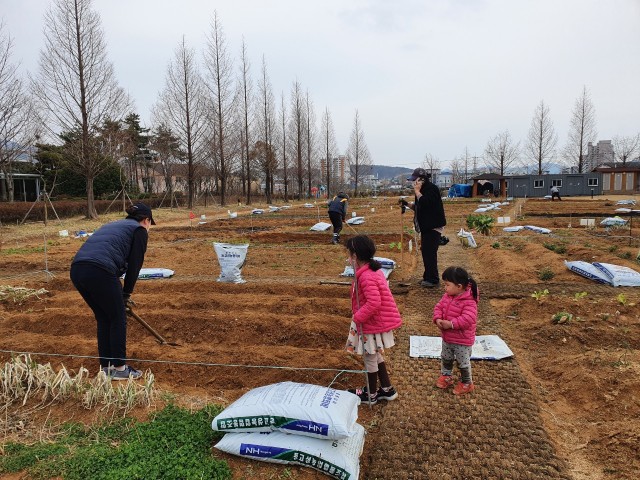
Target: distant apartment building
[(597, 154), (338, 168)]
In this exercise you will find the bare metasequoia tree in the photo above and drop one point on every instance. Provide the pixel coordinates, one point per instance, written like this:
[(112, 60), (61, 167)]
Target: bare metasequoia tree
[(245, 88), (181, 109), (457, 170), (76, 87), (297, 125), (358, 154), (329, 149), (582, 130), (542, 138), (283, 149), (310, 134), (501, 152), (17, 130), (267, 127), (220, 84), (624, 148)]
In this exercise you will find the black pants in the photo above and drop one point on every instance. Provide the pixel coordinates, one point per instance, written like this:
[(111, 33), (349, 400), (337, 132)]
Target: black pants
[(336, 221), (103, 293), (555, 195), (430, 241)]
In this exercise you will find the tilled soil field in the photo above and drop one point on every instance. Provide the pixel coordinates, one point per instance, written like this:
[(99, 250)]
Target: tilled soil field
[(565, 406)]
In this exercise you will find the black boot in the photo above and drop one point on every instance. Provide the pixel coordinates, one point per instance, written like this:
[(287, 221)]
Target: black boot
[(386, 391), (363, 392)]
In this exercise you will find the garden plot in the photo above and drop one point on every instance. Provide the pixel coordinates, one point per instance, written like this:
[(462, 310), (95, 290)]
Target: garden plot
[(282, 317)]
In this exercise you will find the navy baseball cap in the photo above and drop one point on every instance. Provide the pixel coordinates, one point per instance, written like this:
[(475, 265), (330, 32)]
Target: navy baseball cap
[(418, 173)]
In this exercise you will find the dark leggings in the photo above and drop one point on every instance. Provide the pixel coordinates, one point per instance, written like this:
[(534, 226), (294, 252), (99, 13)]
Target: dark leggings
[(336, 221), (430, 241), (103, 293)]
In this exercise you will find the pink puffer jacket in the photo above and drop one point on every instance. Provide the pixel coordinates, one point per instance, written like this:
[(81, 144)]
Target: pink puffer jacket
[(462, 311), (378, 311)]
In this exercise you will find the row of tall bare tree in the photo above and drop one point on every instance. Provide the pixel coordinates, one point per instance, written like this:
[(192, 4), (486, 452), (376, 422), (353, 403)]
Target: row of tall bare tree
[(209, 115), (540, 147)]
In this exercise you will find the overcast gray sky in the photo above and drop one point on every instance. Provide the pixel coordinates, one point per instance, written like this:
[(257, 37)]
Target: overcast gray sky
[(427, 76)]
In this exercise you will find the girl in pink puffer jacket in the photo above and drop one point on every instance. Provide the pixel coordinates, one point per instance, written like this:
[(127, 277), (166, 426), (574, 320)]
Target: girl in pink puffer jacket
[(375, 316), (456, 315)]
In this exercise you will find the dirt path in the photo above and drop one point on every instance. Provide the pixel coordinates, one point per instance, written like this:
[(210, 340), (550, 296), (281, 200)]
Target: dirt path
[(496, 432)]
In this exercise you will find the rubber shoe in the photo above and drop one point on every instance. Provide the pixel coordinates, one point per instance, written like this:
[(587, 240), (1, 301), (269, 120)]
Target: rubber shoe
[(444, 381), (389, 395), (364, 395), (107, 370), (425, 284), (125, 374), (463, 388)]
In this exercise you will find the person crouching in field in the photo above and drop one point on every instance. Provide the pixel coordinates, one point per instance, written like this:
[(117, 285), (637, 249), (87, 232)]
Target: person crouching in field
[(375, 316), (456, 315)]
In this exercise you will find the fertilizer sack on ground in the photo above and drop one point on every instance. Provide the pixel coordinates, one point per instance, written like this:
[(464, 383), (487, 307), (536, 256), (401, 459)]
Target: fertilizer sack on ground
[(618, 275), (588, 271), (466, 239), (231, 258), (148, 273), (356, 221), (290, 407), (321, 227), (338, 459)]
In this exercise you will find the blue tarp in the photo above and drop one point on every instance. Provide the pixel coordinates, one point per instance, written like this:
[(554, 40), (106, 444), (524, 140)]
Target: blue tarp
[(459, 190)]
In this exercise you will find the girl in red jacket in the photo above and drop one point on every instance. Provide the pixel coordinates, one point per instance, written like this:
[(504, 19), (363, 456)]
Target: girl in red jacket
[(456, 315), (375, 316)]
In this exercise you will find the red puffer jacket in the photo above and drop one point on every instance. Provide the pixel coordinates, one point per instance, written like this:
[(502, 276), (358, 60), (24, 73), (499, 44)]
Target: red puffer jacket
[(462, 311), (377, 312)]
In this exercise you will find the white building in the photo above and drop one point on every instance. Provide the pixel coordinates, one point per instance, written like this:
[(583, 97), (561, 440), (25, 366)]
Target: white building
[(597, 154)]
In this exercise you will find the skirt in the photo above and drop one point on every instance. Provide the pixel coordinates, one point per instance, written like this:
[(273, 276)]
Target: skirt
[(370, 343)]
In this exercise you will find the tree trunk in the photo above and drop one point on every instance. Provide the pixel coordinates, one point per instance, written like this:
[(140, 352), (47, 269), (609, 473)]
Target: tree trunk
[(91, 206)]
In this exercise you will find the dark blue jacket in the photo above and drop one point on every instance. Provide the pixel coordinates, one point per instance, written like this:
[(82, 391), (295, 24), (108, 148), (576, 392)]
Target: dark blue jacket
[(109, 246), (339, 205)]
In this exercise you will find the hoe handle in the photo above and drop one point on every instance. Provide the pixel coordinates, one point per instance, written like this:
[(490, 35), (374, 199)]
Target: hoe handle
[(146, 326)]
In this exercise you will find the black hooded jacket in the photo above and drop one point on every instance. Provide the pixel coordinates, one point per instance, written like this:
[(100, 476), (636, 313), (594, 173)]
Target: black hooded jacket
[(429, 211)]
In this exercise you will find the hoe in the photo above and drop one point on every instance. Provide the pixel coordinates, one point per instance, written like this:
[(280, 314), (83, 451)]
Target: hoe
[(148, 327)]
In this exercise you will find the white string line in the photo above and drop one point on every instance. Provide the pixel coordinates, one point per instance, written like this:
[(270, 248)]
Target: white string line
[(200, 364)]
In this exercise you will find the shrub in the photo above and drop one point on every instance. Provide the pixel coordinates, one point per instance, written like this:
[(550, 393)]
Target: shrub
[(559, 249), (483, 224), (546, 274)]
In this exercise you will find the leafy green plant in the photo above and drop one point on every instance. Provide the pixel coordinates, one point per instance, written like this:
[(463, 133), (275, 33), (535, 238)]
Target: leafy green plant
[(561, 318), (613, 248), (395, 245), (625, 255), (579, 295), (483, 224), (546, 274), (540, 294), (559, 249), (622, 299), (495, 245)]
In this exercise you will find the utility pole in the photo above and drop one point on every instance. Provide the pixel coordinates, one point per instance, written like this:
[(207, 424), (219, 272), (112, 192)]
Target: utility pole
[(466, 163)]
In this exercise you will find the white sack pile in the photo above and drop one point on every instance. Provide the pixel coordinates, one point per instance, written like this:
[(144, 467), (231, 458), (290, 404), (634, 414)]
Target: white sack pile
[(295, 423), (606, 273)]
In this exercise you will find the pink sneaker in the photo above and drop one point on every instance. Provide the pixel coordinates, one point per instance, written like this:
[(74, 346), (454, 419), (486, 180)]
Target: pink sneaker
[(463, 388), (445, 381)]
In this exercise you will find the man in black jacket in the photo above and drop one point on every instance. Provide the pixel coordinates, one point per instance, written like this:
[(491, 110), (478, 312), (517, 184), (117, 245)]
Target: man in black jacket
[(429, 221)]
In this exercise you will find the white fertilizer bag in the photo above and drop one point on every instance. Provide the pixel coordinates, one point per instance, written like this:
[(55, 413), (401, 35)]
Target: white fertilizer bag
[(274, 209), (356, 221), (339, 459), (321, 227), (613, 222), (308, 205), (155, 273), (257, 211), (618, 275), (466, 239), (537, 229), (388, 266), (588, 271), (231, 258), (290, 407), (513, 229)]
